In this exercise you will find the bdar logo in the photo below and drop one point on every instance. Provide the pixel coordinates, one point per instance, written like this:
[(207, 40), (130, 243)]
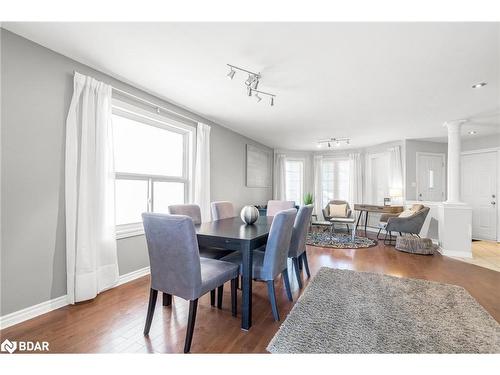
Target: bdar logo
[(8, 346)]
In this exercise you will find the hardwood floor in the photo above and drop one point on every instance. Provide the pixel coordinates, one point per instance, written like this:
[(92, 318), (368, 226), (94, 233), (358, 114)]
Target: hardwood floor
[(114, 321)]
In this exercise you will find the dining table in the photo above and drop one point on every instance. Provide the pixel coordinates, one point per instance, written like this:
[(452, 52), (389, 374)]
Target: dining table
[(234, 234)]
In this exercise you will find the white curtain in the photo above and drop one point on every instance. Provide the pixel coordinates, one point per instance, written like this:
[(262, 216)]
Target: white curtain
[(202, 171), (355, 179), (318, 186), (91, 259), (279, 177), (395, 174)]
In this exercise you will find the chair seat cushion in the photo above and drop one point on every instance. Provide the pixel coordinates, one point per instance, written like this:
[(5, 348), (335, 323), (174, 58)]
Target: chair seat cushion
[(215, 273), (258, 262)]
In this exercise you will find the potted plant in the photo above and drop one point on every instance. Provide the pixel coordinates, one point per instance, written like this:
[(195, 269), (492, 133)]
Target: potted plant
[(308, 199)]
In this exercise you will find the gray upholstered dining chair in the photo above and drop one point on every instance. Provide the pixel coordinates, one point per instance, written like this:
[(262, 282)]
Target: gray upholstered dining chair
[(297, 251), (194, 212), (222, 210), (268, 264), (178, 270), (275, 206)]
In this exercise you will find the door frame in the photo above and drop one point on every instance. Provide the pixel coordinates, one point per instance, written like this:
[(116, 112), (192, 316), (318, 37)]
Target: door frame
[(443, 175), (484, 151)]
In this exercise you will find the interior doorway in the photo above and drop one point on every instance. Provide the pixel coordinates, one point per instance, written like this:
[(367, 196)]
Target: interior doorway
[(431, 172)]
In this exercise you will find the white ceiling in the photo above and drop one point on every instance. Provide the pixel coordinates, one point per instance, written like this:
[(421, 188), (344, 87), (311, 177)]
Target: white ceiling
[(372, 82)]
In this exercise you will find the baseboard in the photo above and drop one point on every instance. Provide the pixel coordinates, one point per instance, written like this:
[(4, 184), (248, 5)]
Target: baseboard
[(133, 275), (42, 308), (32, 312)]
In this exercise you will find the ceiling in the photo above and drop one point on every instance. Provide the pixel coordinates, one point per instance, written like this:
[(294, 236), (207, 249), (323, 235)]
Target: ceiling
[(371, 82)]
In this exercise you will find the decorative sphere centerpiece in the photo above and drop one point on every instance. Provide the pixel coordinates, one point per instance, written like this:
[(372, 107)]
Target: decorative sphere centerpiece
[(249, 214)]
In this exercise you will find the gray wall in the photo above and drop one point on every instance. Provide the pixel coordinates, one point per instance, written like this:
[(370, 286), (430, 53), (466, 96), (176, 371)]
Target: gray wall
[(37, 86), (411, 149), (478, 143)]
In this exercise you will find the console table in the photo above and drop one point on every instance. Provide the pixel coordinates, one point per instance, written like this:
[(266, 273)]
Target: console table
[(366, 208)]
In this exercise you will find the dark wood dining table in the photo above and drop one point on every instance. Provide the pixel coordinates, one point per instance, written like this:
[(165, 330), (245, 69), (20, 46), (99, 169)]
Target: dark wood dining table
[(233, 234)]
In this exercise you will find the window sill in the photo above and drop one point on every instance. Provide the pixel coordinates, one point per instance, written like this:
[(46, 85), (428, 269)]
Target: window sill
[(126, 231)]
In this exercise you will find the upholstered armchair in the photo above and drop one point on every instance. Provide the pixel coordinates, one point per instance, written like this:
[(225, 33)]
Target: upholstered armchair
[(409, 221), (330, 215)]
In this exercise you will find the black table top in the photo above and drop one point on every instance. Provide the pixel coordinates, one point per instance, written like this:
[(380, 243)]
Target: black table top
[(235, 228)]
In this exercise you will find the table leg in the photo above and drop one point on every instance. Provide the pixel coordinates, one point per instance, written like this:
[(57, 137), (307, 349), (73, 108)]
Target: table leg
[(366, 221), (353, 233), (246, 275)]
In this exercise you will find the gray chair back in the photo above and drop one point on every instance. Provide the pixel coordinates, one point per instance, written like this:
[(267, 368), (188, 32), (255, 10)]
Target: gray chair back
[(222, 210), (191, 210), (299, 233), (274, 206), (173, 254), (278, 243)]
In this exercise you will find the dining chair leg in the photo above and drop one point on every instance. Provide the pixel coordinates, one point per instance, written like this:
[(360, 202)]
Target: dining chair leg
[(286, 281), (167, 299), (295, 262), (300, 263), (193, 305), (151, 310), (272, 299), (220, 293), (306, 264), (378, 234), (348, 230), (212, 297), (234, 296)]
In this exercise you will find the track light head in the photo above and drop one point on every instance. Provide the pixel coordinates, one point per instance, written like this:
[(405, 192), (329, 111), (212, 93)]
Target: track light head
[(257, 97), (249, 91), (272, 101), (255, 83), (231, 73), (249, 80)]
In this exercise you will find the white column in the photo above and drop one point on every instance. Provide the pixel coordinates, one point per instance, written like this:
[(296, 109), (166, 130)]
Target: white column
[(454, 150), (455, 217)]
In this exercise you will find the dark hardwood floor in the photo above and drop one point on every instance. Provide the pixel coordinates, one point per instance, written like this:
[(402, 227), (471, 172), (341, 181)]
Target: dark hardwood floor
[(114, 321)]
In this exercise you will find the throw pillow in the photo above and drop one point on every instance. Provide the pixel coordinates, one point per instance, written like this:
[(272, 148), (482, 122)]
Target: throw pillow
[(338, 210)]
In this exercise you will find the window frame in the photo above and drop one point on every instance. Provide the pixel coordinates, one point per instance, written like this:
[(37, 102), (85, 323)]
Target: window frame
[(142, 116), (302, 161)]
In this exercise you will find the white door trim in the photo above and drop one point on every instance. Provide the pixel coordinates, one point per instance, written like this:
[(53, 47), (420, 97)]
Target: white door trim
[(443, 175), (484, 151)]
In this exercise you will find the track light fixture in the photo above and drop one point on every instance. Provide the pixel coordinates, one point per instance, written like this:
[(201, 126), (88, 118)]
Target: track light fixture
[(333, 142), (251, 83)]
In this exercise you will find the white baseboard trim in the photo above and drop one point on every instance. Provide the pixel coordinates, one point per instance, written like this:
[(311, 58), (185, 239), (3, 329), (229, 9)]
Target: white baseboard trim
[(133, 275), (31, 312)]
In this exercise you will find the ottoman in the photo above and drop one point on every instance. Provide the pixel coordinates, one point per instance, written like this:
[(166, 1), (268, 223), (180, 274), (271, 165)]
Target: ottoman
[(415, 245)]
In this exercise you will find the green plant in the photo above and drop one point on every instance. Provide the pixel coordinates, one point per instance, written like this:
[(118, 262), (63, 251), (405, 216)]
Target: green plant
[(308, 199)]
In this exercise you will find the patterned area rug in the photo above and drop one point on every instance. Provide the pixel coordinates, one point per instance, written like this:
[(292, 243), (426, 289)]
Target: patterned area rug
[(344, 311), (338, 240)]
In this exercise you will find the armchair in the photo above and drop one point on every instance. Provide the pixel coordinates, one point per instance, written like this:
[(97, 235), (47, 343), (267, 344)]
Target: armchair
[(409, 221), (329, 216)]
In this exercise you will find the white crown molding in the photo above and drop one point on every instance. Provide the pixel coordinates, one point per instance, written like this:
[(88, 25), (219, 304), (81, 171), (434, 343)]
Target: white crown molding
[(31, 312)]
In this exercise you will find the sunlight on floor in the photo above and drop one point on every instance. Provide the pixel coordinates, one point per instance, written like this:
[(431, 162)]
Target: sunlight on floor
[(485, 254)]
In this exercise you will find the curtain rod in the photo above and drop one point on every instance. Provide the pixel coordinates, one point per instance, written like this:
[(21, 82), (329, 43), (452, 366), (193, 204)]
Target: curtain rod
[(158, 108), (151, 104)]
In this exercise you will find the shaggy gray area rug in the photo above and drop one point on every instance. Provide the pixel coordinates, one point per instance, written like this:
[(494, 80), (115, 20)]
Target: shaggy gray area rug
[(345, 311)]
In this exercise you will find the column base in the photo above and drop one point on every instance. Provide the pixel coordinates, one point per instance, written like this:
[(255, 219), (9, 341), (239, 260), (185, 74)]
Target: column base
[(455, 229)]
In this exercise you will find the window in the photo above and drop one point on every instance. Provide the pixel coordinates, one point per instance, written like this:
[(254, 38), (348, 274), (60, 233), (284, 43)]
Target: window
[(294, 180), (335, 180), (152, 158), (378, 175)]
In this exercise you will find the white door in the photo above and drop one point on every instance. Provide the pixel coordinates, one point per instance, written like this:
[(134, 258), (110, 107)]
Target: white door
[(430, 177), (479, 189)]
